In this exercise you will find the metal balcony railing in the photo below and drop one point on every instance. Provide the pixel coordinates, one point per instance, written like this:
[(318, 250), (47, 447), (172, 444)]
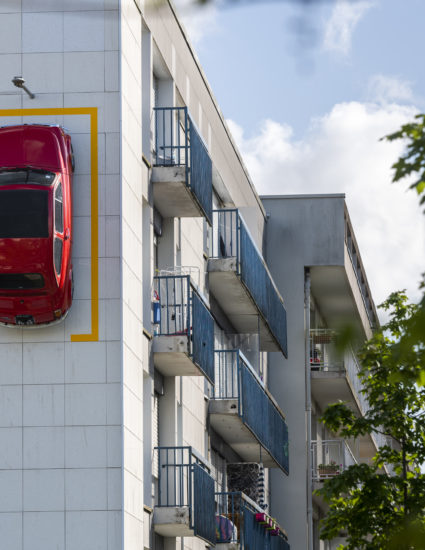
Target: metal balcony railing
[(238, 522), (231, 239), (330, 458), (360, 276), (185, 481), (323, 353), (325, 357), (178, 143), (182, 311), (236, 379)]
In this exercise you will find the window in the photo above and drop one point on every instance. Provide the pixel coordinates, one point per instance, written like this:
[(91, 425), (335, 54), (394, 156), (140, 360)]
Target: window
[(23, 213), (59, 208), (57, 254), (21, 281), (22, 176)]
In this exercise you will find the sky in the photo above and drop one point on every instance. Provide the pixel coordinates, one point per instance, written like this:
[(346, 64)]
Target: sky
[(308, 91)]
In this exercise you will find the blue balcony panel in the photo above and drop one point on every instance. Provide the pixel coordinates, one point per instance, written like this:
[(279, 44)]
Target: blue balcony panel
[(182, 171), (238, 528), (245, 415), (241, 283), (183, 344), (185, 505)]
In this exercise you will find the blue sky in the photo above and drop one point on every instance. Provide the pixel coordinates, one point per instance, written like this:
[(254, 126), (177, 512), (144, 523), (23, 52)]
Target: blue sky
[(296, 71), (307, 110)]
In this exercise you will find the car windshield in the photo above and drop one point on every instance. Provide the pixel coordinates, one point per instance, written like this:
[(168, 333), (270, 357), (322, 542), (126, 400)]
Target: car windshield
[(20, 176), (24, 213)]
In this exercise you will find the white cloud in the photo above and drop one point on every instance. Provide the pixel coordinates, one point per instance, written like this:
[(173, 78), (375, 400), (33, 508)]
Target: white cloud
[(339, 28), (385, 89), (342, 153), (197, 20)]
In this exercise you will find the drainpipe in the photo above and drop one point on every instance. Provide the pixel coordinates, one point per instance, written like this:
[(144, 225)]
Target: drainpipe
[(309, 480)]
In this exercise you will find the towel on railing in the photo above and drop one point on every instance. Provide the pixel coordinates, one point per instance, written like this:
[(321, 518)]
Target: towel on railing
[(225, 530)]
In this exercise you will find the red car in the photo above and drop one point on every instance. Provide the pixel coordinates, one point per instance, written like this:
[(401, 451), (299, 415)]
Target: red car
[(36, 166)]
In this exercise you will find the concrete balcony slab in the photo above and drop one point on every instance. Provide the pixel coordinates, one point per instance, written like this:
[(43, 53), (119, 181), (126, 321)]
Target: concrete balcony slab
[(171, 356), (170, 521), (172, 196), (225, 420), (237, 303)]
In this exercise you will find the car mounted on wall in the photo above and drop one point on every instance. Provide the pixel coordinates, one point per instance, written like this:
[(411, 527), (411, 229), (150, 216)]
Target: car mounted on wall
[(36, 166)]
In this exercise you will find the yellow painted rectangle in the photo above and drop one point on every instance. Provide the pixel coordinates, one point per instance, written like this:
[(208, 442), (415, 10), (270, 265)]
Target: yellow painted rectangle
[(92, 112)]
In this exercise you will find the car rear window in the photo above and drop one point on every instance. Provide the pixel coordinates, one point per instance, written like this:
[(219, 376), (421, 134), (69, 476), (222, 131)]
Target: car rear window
[(21, 281), (19, 177), (24, 213)]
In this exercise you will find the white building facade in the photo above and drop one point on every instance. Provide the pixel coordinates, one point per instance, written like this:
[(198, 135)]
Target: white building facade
[(144, 420)]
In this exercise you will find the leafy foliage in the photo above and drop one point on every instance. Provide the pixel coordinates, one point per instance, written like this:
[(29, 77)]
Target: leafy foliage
[(382, 505), (412, 163)]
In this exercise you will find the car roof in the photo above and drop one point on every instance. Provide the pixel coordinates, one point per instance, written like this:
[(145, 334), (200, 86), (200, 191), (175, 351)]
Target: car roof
[(33, 145)]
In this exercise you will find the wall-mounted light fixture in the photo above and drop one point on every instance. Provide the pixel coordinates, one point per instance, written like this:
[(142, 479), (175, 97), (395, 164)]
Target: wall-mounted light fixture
[(19, 82)]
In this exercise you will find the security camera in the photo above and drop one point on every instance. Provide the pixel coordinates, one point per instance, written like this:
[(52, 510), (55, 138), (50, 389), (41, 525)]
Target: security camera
[(19, 82)]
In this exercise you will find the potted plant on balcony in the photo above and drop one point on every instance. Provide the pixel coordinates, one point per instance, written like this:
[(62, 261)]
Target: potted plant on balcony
[(330, 469)]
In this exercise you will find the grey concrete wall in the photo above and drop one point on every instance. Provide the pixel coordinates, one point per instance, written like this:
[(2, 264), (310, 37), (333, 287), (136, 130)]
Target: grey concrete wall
[(301, 232)]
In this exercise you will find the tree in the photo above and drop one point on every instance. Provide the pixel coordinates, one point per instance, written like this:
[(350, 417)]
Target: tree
[(412, 163), (382, 505), (379, 503)]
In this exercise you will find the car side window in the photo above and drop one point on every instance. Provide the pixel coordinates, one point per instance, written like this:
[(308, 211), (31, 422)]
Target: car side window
[(59, 208), (57, 254)]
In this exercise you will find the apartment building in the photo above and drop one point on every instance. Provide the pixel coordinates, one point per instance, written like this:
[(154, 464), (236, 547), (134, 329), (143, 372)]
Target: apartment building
[(315, 261), (146, 418)]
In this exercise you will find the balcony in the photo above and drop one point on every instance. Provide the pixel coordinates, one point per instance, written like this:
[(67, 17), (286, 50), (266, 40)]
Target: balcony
[(244, 413), (334, 377), (242, 525), (334, 374), (183, 344), (329, 458), (182, 172), (185, 505), (242, 284)]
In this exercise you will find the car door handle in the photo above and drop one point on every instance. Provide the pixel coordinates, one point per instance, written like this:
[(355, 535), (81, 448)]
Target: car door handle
[(67, 234)]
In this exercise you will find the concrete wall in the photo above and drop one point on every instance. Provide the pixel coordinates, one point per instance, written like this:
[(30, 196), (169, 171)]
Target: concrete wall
[(308, 231)]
